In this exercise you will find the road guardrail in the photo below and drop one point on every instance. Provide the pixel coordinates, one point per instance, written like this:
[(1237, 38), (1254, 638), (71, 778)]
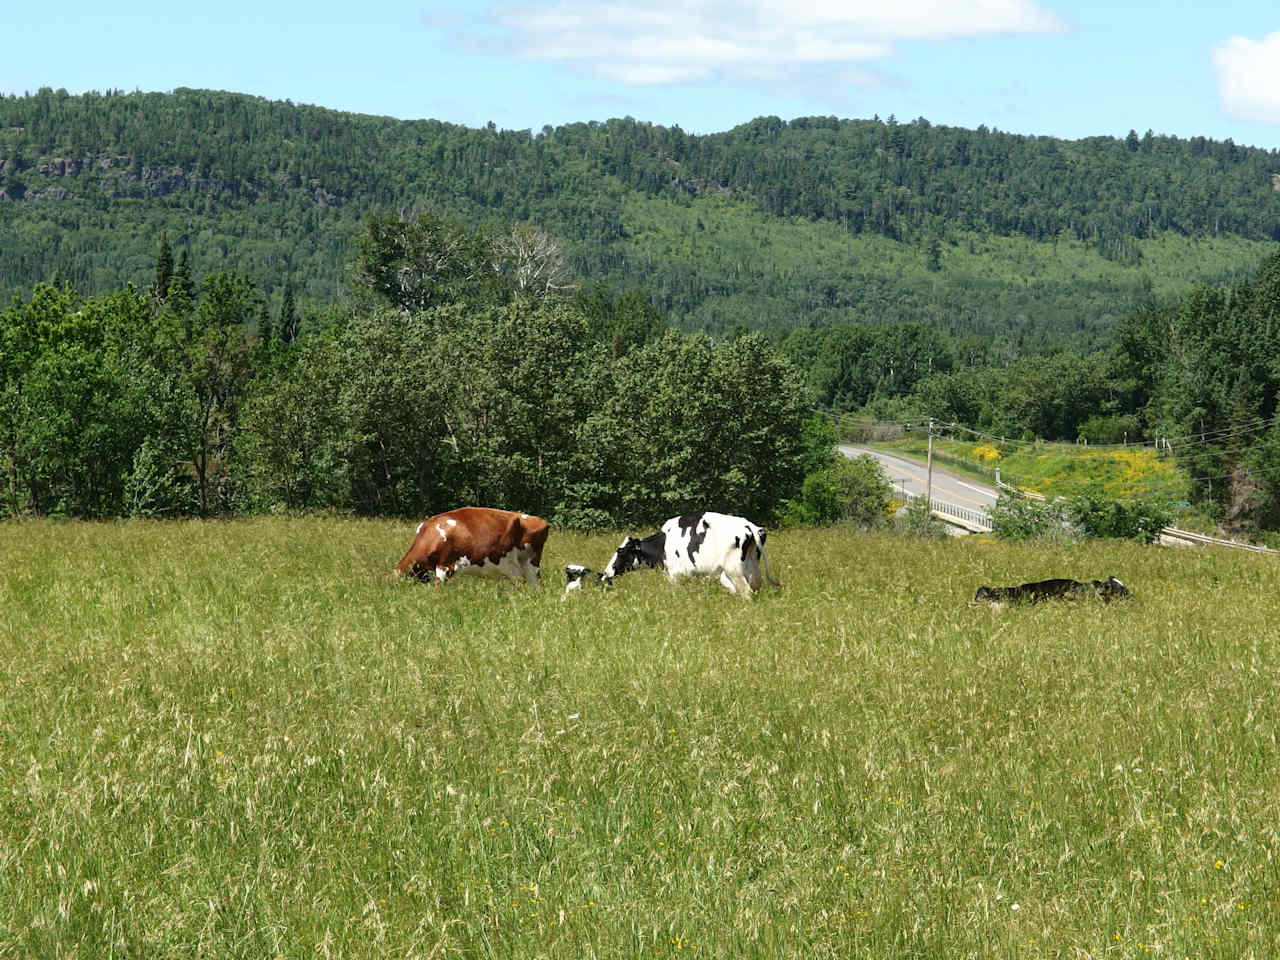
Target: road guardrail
[(974, 520), (1186, 537)]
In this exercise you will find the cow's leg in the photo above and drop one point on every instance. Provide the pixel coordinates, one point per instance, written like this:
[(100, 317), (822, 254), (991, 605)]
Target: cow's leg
[(728, 582), (532, 574)]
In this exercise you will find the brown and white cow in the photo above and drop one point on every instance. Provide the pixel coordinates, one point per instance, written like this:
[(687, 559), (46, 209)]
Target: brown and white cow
[(481, 540)]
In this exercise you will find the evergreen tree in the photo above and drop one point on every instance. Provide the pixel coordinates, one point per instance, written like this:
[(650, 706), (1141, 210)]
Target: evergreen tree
[(934, 262), (164, 269), (265, 331), (288, 322), (181, 280)]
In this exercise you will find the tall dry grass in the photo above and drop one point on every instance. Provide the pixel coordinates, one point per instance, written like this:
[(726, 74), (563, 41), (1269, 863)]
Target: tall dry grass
[(243, 740)]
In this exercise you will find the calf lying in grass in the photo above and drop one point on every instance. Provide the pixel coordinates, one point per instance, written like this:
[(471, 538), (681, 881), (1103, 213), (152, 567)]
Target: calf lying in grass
[(1050, 589), (577, 575)]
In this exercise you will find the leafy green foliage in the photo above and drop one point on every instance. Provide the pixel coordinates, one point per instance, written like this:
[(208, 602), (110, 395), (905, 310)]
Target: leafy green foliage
[(849, 490), (688, 424), (1140, 520), (502, 391), (71, 409), (1090, 515), (1017, 518), (848, 366), (1202, 370), (917, 520), (1049, 397), (414, 263)]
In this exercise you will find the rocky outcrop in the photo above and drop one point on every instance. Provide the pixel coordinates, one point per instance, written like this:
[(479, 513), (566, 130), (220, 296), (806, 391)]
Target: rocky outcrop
[(61, 167), (121, 176)]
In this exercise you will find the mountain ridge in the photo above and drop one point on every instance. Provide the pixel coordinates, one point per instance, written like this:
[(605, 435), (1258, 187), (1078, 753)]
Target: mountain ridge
[(275, 189)]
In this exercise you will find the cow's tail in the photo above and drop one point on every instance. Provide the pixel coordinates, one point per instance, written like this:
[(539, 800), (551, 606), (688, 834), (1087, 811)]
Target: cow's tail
[(758, 535)]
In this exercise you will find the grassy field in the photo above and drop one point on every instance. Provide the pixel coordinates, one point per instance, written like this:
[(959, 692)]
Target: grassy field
[(243, 740)]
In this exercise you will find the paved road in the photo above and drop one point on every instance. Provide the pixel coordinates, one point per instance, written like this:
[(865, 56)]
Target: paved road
[(910, 476)]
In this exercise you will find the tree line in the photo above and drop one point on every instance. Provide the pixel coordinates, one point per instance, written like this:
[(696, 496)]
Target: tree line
[(466, 367), (474, 365), (1198, 374)]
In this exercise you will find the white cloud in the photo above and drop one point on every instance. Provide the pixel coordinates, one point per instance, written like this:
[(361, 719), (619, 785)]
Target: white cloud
[(1249, 78), (691, 41)]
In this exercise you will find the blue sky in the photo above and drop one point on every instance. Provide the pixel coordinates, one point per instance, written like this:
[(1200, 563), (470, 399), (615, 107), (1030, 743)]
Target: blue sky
[(1064, 68)]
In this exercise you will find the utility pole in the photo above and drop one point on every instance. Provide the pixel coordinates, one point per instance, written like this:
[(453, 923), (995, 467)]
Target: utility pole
[(928, 490)]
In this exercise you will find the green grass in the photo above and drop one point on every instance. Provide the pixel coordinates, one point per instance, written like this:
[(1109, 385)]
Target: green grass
[(244, 740)]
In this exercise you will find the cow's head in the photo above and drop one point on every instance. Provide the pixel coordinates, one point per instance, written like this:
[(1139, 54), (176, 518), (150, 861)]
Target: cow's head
[(633, 554), (1111, 587)]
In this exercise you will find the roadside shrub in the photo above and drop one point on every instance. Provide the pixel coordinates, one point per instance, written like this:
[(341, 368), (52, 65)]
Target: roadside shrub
[(847, 491), (915, 519), (1018, 518), (1122, 519)]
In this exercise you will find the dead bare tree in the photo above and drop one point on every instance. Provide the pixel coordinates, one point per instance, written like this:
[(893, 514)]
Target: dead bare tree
[(532, 260)]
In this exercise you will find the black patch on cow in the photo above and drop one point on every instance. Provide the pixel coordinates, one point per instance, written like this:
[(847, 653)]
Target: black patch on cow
[(689, 527), (1031, 592), (635, 554), (1050, 589), (653, 551)]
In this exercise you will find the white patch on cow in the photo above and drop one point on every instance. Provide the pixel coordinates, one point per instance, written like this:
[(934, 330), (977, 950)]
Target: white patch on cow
[(719, 554), (442, 574), (420, 526), (515, 564), (451, 522), (440, 530), (610, 571)]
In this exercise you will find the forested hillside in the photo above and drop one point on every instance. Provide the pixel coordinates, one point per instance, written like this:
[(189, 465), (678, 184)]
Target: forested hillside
[(1100, 291), (1032, 242)]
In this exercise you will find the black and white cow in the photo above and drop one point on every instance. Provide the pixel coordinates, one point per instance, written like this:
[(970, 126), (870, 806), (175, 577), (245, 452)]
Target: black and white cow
[(711, 544), (1048, 589)]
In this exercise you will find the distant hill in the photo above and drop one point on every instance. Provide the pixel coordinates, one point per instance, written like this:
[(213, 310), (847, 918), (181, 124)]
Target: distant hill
[(1034, 241)]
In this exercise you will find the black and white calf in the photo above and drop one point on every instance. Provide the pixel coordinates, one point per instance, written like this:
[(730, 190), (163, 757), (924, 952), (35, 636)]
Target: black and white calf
[(1048, 589), (576, 576), (710, 544)]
